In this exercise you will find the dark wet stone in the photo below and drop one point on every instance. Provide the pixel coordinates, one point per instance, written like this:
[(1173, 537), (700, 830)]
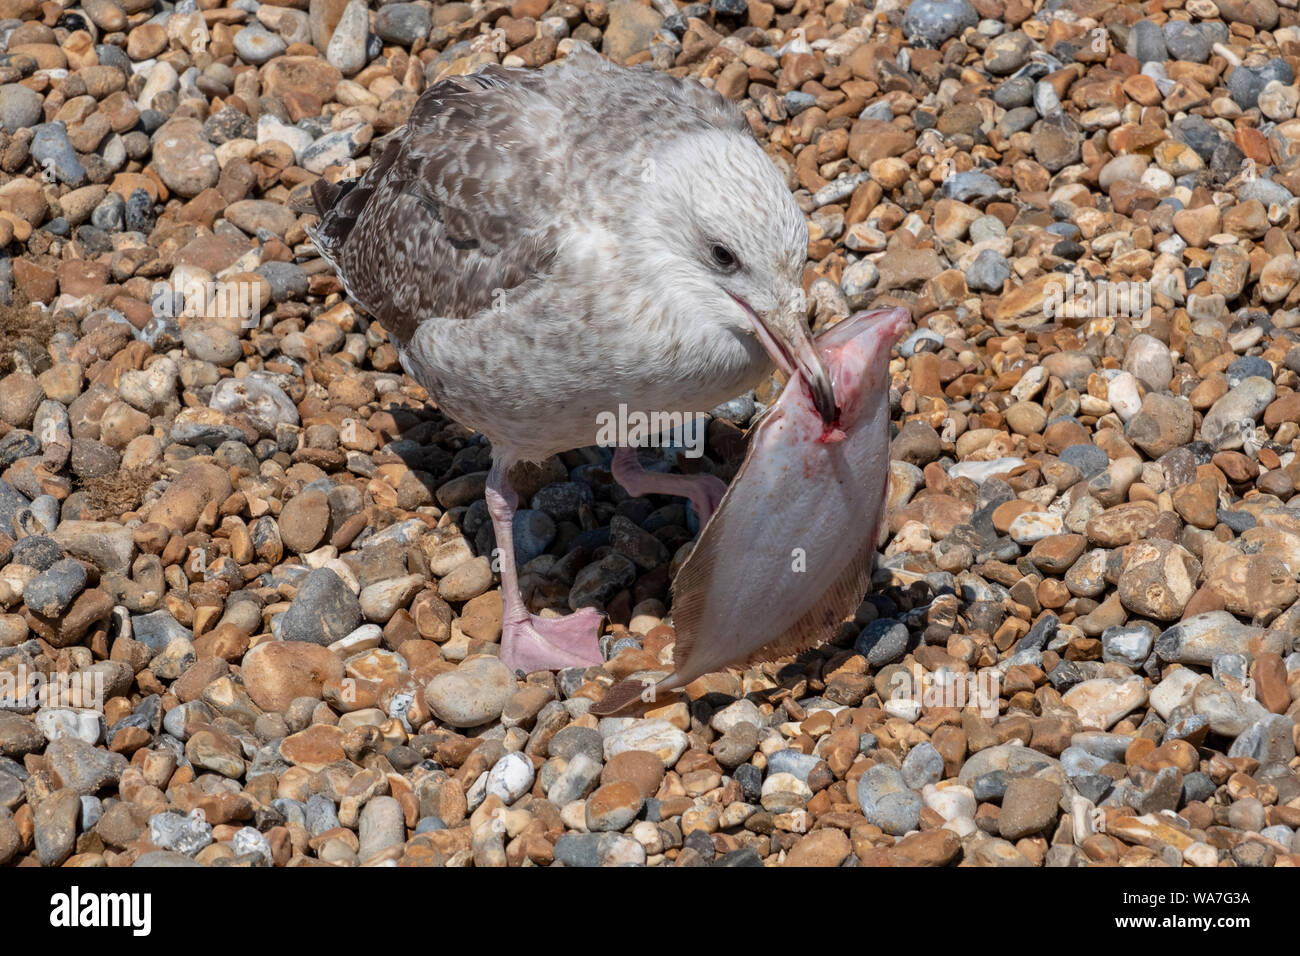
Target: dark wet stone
[(323, 611)]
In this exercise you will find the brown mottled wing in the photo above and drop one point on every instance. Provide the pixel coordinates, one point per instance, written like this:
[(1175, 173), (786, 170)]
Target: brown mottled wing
[(492, 173), (455, 208)]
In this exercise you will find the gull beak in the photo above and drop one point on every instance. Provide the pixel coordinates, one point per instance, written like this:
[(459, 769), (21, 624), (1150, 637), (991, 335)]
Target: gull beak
[(787, 340)]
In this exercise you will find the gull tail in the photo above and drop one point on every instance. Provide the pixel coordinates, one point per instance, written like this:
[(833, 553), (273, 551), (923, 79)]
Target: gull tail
[(339, 206)]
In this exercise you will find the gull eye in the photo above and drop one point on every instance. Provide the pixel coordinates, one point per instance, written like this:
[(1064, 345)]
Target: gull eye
[(723, 257)]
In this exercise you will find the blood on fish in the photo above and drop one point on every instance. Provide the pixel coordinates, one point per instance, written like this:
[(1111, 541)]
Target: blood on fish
[(832, 433)]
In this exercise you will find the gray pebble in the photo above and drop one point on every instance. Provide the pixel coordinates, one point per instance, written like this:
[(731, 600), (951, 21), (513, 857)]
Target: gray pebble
[(52, 591), (1245, 83), (54, 154), (923, 764), (20, 107), (988, 272), (183, 834), (882, 641), (934, 21), (403, 23), (323, 611), (1186, 41)]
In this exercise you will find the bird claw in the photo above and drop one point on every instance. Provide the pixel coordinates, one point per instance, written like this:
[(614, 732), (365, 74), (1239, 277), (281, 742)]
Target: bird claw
[(531, 643)]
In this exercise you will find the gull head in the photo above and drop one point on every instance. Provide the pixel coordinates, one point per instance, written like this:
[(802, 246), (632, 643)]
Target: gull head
[(729, 244)]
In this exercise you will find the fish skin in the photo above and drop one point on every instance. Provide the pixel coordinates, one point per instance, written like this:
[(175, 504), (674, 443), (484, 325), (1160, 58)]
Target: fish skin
[(801, 484)]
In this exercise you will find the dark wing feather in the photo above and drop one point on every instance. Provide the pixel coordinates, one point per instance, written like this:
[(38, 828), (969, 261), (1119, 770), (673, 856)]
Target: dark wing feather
[(449, 213)]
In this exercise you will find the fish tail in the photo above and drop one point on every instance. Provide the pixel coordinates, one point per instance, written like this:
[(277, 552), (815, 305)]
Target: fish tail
[(629, 691)]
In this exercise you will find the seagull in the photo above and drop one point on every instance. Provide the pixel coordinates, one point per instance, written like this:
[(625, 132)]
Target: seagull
[(544, 246)]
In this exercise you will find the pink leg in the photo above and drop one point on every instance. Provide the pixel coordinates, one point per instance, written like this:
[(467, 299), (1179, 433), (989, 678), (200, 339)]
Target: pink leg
[(528, 642), (704, 491)]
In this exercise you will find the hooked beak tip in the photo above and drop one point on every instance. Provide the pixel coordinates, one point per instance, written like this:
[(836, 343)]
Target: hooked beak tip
[(823, 396)]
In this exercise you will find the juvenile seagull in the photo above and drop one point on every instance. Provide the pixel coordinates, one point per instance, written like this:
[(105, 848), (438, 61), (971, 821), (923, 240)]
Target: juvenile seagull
[(543, 246)]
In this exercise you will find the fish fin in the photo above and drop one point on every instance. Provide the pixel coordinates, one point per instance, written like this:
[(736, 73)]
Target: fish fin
[(818, 623), (623, 694), (692, 580)]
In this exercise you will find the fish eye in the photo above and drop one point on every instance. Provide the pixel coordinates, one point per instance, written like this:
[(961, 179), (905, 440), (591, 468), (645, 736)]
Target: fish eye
[(723, 257)]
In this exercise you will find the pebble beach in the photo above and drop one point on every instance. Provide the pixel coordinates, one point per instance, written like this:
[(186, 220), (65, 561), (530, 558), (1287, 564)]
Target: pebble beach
[(248, 612)]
